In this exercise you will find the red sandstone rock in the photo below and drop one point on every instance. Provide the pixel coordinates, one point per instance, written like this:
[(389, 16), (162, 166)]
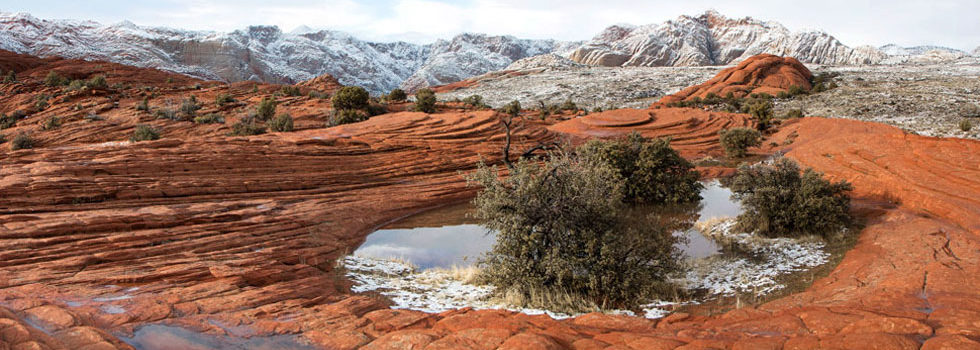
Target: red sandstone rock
[(763, 73)]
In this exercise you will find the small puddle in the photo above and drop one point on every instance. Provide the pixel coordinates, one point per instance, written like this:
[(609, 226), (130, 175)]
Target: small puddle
[(448, 237), (164, 337)]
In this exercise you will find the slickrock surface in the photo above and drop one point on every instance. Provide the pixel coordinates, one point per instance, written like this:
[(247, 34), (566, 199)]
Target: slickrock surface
[(758, 74), (231, 235)]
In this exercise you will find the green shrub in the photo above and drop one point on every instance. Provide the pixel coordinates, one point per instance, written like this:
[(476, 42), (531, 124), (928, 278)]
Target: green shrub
[(54, 79), (761, 110), (793, 114), (966, 125), (266, 109), (796, 90), (210, 118), (318, 94), (10, 78), (223, 99), (474, 101), (97, 82), (21, 141), (736, 141), (568, 105), (561, 227), (512, 109), (189, 107), (425, 101), (247, 127), (780, 202), (51, 123), (144, 132), (165, 113), (350, 97), (397, 95), (281, 123), (41, 103), (76, 85), (655, 173), (290, 90), (9, 121), (346, 116)]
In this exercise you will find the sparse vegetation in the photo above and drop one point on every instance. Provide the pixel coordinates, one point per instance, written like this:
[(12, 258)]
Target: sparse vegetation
[(346, 116), (475, 101), (290, 90), (54, 79), (210, 118), (793, 114), (10, 77), (281, 123), (189, 107), (562, 235), (737, 141), (654, 172), (350, 97), (780, 202), (425, 101), (144, 132), (222, 99), (761, 110), (52, 123), (8, 121), (21, 141), (397, 95), (966, 125), (144, 104), (165, 113), (512, 109), (824, 81), (266, 109), (97, 82), (247, 127)]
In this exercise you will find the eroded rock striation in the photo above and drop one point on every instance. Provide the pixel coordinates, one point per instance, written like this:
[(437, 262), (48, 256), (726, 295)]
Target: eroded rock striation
[(760, 74), (240, 235)]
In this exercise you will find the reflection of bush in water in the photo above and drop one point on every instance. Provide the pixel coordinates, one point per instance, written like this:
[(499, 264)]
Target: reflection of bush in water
[(565, 241)]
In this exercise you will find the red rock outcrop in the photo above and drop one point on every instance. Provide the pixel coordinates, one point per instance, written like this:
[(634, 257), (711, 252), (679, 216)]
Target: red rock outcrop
[(762, 73), (215, 233)]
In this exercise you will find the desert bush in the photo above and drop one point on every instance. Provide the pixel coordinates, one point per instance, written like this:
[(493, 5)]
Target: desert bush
[(76, 85), (223, 99), (425, 101), (966, 125), (376, 108), (475, 101), (796, 90), (970, 110), (97, 82), (346, 116), (780, 202), (189, 107), (54, 79), (8, 121), (737, 141), (281, 123), (318, 94), (569, 105), (512, 109), (266, 109), (350, 97), (290, 90), (561, 230), (10, 78), (41, 103), (654, 172), (794, 113), (51, 123), (210, 118), (397, 95), (144, 132), (761, 109), (21, 141), (247, 127), (165, 113)]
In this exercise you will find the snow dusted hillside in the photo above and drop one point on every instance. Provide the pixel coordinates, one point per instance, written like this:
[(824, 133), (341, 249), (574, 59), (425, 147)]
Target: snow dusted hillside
[(266, 53), (713, 39)]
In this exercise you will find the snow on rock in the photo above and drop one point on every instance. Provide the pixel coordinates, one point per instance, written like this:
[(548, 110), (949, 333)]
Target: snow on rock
[(722, 275), (713, 39), (435, 290)]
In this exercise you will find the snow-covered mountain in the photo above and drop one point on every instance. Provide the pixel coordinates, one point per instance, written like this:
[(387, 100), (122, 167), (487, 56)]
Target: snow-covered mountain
[(266, 53), (713, 39)]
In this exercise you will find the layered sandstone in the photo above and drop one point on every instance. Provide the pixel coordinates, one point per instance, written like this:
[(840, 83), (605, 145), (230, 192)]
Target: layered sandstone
[(759, 74)]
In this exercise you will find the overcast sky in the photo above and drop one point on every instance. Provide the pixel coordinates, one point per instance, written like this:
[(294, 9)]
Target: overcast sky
[(953, 23)]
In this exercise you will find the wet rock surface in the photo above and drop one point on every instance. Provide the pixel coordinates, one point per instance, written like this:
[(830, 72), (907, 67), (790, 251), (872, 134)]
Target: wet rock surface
[(240, 235)]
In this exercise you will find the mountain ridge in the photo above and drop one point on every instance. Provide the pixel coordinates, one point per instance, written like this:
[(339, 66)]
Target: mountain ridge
[(268, 54)]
